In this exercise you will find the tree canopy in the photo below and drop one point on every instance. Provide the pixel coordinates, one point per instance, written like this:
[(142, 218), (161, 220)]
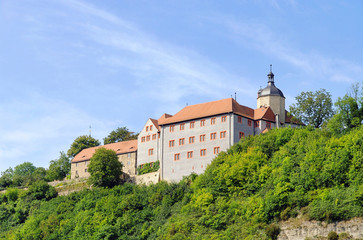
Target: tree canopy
[(313, 108), (119, 135), (59, 168), (80, 143), (349, 111), (105, 169)]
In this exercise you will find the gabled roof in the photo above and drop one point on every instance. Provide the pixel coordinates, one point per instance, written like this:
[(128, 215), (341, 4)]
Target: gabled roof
[(155, 122), (264, 113), (119, 148), (201, 110)]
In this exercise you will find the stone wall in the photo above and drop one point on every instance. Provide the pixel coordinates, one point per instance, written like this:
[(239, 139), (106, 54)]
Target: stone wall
[(148, 178), (302, 230)]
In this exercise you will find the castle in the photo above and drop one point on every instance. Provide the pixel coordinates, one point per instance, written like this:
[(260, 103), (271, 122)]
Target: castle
[(189, 140)]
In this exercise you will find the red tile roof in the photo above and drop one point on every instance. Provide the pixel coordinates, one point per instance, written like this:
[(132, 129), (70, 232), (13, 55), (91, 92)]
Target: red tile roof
[(119, 148), (264, 113), (201, 110)]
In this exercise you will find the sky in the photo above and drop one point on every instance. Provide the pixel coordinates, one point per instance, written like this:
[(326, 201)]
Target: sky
[(66, 65)]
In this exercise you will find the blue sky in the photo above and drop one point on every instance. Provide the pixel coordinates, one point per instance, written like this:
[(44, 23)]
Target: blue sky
[(69, 64)]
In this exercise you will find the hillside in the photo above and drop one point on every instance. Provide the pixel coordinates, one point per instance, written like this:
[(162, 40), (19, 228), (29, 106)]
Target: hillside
[(243, 194)]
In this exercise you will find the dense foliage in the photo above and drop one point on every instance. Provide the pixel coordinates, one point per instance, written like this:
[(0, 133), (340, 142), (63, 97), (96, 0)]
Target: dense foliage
[(119, 135), (148, 167), (105, 169), (243, 194), (59, 168), (80, 143), (313, 108)]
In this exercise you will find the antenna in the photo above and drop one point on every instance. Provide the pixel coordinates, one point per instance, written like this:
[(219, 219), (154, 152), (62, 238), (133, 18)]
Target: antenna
[(90, 129), (235, 96)]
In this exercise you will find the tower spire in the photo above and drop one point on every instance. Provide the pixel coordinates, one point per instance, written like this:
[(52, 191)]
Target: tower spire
[(270, 76)]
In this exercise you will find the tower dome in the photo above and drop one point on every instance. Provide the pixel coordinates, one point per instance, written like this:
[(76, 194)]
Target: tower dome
[(271, 89), (272, 97)]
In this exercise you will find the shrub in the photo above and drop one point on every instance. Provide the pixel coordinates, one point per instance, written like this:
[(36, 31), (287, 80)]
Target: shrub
[(333, 236)]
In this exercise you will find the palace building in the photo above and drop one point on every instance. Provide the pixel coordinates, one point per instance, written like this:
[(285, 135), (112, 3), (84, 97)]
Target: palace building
[(189, 140)]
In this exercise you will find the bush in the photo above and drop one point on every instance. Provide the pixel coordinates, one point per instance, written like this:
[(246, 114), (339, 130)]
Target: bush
[(148, 167), (273, 231), (41, 190), (333, 236)]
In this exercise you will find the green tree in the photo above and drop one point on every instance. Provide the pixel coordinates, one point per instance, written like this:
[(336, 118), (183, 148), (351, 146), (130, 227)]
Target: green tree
[(23, 174), (6, 179), (105, 169), (80, 143), (313, 108), (119, 135), (59, 168), (24, 169), (39, 174), (349, 113)]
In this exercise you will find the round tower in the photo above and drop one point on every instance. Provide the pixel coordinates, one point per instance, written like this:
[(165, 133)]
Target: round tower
[(272, 97)]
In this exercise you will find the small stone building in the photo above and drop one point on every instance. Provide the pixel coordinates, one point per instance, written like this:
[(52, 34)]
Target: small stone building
[(126, 152)]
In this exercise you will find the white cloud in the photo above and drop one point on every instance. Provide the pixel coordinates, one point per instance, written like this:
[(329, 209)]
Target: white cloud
[(259, 37)]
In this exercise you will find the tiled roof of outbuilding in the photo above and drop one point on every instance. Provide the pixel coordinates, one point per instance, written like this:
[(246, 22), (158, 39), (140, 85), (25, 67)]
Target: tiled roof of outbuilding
[(119, 148)]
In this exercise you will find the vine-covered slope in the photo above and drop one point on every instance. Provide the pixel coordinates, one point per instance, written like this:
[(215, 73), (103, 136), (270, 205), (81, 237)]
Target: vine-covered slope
[(242, 195)]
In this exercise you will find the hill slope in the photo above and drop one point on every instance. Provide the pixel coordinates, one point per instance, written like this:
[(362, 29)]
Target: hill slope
[(259, 181)]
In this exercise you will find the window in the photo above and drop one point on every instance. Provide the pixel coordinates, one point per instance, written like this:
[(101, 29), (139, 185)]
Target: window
[(268, 125), (171, 143), (239, 119), (190, 154), (129, 155), (85, 170), (191, 139), (182, 125), (148, 138), (257, 124), (249, 122), (191, 124), (158, 134), (213, 136), (223, 134), (241, 134), (85, 163), (202, 138), (172, 128), (151, 127), (154, 136), (176, 156), (202, 123), (143, 139), (213, 121), (147, 128), (223, 118), (181, 141), (76, 164), (151, 152), (203, 152), (216, 150)]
